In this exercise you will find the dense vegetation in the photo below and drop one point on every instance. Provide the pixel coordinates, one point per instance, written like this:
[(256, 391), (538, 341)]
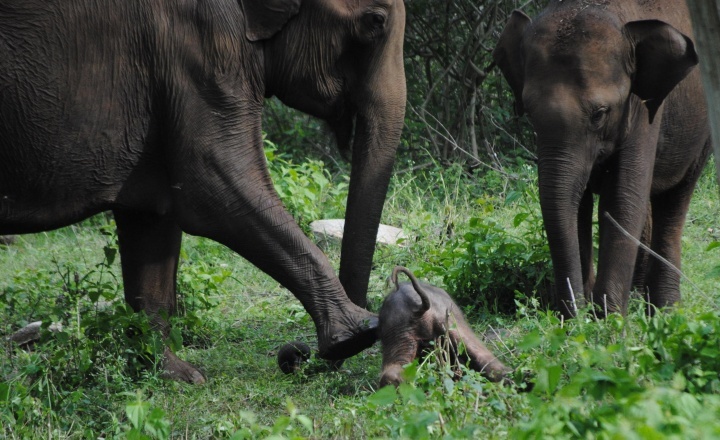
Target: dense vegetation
[(465, 193)]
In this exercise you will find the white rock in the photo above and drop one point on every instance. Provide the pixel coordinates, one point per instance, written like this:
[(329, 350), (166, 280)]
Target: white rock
[(331, 230), (31, 332)]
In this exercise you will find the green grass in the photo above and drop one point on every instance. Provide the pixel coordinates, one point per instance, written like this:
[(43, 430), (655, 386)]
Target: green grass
[(619, 378)]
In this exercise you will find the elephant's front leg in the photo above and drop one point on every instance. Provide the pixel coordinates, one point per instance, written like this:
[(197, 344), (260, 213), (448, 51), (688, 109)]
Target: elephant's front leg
[(585, 234), (223, 191), (397, 352), (149, 250), (624, 199)]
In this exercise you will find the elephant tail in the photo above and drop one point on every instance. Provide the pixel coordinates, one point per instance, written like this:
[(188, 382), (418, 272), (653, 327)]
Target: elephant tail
[(416, 285)]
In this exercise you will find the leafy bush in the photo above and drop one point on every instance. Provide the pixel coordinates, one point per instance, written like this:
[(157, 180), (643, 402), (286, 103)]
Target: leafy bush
[(592, 385), (490, 263), (97, 341), (307, 189), (715, 272), (684, 350)]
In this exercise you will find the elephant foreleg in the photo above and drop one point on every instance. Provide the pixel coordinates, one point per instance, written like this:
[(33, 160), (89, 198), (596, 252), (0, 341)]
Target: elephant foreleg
[(585, 241), (149, 250), (224, 192), (399, 351)]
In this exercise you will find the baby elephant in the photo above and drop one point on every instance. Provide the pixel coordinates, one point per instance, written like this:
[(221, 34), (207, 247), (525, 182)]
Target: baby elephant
[(414, 315)]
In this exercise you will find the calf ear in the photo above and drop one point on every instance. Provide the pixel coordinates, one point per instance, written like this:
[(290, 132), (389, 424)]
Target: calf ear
[(663, 57), (264, 18), (508, 55)]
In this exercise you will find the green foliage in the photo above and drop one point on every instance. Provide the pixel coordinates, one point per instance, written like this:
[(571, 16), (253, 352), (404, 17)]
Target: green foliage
[(432, 403), (306, 189), (91, 340), (715, 272), (684, 350), (145, 421), (592, 385), (491, 262), (199, 287)]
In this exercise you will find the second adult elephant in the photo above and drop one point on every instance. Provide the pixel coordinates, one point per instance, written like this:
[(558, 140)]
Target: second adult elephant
[(619, 111), (152, 109)]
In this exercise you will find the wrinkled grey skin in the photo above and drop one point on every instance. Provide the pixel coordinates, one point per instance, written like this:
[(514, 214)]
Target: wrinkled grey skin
[(416, 314), (152, 109), (618, 108)]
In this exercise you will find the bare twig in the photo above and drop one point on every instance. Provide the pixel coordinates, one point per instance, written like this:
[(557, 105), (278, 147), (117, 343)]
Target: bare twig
[(572, 295), (651, 252)]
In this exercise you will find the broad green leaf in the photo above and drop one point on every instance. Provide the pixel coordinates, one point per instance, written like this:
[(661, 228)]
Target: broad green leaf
[(384, 396)]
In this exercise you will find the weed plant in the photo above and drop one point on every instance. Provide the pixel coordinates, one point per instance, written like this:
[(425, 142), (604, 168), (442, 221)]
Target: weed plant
[(480, 237)]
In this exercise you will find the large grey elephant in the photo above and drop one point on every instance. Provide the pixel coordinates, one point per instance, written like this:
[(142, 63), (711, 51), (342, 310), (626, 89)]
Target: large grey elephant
[(610, 90), (152, 109)]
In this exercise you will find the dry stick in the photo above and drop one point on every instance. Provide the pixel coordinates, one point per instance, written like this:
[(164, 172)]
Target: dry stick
[(592, 302), (652, 252), (572, 295), (499, 338), (605, 303)]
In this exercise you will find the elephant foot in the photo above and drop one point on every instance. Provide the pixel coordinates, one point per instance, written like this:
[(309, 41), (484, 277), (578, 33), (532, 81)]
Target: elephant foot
[(177, 369), (348, 338)]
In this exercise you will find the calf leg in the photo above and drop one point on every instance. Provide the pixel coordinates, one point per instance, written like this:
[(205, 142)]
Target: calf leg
[(479, 357), (400, 352)]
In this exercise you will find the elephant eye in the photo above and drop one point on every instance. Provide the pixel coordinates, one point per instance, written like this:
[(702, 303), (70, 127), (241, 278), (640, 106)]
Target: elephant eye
[(598, 116), (375, 21), (378, 20)]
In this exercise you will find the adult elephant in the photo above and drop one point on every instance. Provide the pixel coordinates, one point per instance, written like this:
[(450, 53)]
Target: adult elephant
[(152, 109), (610, 90)]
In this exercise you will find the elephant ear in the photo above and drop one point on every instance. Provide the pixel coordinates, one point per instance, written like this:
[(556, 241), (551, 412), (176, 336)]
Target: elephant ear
[(264, 18), (508, 55), (663, 57)]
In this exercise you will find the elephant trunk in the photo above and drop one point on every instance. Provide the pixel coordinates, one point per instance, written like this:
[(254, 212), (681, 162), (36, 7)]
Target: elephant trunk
[(379, 121), (562, 181)]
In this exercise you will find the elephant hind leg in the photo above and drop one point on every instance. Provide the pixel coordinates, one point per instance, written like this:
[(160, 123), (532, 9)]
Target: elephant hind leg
[(149, 252), (642, 261), (669, 212), (481, 359)]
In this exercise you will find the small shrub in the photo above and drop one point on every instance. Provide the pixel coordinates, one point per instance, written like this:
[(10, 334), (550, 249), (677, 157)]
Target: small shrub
[(307, 189), (490, 264), (145, 421), (684, 350)]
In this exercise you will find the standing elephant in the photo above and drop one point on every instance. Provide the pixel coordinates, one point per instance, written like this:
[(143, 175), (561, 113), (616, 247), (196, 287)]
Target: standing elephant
[(610, 90), (152, 109)]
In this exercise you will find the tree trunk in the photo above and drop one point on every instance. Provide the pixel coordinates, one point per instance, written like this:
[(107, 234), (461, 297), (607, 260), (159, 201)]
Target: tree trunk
[(705, 16)]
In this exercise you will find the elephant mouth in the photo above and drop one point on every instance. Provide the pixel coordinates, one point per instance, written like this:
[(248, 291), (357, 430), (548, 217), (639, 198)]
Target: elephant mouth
[(343, 129)]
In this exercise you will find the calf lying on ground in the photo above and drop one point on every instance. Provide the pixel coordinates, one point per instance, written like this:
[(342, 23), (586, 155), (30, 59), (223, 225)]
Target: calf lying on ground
[(416, 314)]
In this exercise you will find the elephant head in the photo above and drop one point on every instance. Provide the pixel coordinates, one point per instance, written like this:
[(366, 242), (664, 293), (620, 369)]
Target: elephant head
[(342, 62), (593, 86)]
